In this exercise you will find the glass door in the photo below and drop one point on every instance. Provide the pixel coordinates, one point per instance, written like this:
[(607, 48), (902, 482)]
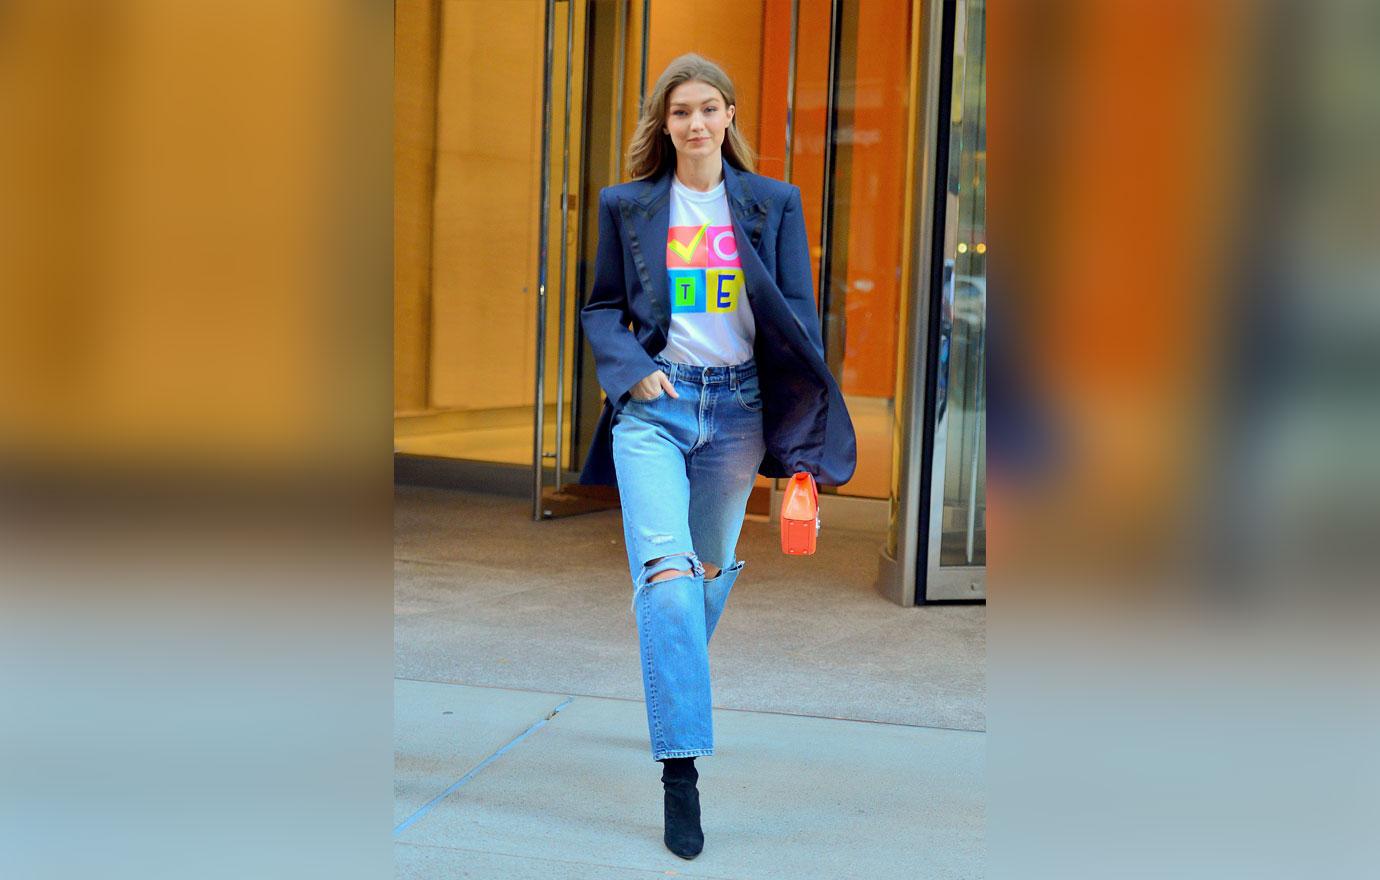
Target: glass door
[(957, 552), (487, 98), (849, 154), (606, 90)]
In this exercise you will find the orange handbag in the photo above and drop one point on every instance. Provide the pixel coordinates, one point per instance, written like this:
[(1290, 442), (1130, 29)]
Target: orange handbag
[(800, 515)]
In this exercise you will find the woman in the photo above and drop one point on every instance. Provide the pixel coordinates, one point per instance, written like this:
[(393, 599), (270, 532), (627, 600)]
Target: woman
[(721, 377)]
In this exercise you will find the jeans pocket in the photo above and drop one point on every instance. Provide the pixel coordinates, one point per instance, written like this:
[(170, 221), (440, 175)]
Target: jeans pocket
[(650, 399), (749, 395)]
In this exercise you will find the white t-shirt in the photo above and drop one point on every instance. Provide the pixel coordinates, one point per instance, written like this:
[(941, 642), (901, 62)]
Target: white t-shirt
[(711, 320)]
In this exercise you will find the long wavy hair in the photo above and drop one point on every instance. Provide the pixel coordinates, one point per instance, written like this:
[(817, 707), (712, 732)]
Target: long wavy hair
[(651, 151)]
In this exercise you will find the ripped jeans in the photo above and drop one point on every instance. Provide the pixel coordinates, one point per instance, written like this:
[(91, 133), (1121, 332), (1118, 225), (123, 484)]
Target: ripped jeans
[(685, 469)]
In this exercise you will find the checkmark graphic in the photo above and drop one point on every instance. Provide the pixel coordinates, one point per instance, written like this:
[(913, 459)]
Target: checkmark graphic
[(686, 251)]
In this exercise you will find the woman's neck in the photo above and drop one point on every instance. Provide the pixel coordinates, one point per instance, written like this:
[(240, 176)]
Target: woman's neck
[(700, 174)]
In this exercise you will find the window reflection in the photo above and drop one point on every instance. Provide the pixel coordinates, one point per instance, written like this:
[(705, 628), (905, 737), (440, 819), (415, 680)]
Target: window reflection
[(960, 482)]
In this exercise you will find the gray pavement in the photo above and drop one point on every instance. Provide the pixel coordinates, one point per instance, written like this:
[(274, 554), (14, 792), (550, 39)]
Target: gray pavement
[(848, 731)]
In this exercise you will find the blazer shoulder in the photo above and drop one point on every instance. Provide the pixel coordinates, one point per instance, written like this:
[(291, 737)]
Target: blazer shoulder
[(615, 192)]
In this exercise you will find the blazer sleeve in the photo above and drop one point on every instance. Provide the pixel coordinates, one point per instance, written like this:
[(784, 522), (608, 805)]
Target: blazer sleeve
[(619, 359), (794, 275)]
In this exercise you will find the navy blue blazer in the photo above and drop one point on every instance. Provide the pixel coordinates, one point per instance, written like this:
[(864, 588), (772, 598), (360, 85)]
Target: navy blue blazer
[(804, 419)]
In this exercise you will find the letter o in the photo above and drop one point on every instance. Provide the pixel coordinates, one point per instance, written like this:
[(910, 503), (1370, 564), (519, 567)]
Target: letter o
[(718, 251)]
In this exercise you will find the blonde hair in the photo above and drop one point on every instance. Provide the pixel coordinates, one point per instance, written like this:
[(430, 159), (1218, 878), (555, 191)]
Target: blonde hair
[(651, 150)]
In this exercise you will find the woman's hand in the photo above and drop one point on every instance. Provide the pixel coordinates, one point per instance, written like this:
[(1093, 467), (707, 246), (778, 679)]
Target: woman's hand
[(652, 386)]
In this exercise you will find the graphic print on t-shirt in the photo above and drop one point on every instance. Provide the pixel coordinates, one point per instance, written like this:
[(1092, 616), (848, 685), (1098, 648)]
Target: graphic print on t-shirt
[(702, 262)]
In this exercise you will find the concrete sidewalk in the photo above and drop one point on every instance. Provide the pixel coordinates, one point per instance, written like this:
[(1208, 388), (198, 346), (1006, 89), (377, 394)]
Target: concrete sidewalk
[(849, 731), (485, 596), (501, 783)]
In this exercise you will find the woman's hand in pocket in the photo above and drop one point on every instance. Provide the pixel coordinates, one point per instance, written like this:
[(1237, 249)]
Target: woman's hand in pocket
[(653, 386)]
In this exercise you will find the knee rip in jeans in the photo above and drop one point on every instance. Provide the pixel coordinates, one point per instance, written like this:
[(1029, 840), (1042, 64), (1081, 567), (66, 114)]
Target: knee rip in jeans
[(670, 564), (719, 570)]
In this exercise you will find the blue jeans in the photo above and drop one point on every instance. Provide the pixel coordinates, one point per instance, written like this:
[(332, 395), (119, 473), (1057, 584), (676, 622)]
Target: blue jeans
[(685, 469)]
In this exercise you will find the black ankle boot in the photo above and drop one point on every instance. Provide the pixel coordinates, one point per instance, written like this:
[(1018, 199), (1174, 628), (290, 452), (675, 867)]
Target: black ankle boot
[(683, 835)]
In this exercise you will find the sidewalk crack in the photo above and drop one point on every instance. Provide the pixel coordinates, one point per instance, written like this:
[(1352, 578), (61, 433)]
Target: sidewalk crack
[(429, 805)]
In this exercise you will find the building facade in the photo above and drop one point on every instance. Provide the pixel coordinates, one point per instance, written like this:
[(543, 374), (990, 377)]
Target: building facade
[(511, 116)]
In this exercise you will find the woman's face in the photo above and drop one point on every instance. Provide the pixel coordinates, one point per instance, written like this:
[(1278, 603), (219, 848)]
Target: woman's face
[(696, 118)]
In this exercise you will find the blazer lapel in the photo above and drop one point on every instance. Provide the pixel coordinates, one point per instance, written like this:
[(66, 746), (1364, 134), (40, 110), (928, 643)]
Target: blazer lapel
[(646, 221), (749, 214)]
